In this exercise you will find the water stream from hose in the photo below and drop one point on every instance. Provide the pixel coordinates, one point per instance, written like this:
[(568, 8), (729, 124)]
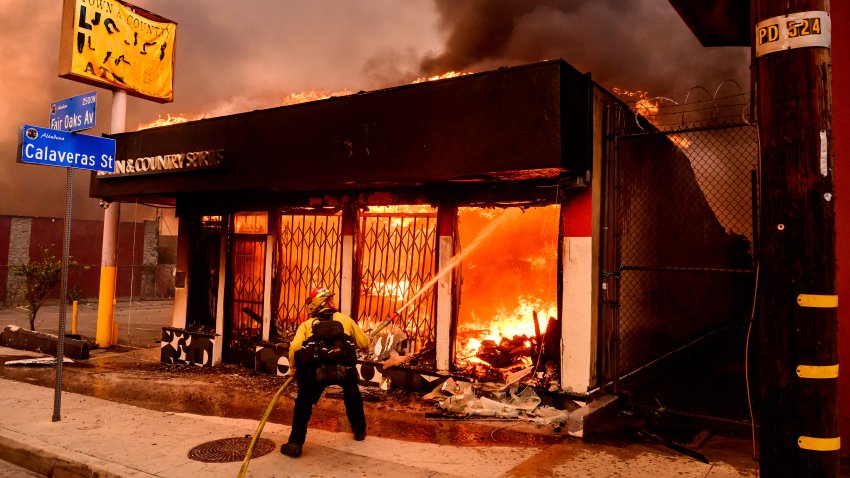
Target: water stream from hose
[(455, 260)]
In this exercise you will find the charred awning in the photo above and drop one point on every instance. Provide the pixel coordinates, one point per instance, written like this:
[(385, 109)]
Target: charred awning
[(517, 123)]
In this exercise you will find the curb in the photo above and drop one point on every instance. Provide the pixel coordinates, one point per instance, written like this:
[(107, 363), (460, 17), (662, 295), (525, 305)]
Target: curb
[(50, 460)]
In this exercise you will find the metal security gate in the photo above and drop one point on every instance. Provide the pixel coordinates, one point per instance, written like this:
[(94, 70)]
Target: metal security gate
[(397, 258), (678, 237), (247, 258), (308, 254)]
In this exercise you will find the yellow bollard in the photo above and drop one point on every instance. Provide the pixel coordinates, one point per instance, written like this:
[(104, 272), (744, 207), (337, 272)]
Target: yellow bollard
[(74, 317), (106, 301)]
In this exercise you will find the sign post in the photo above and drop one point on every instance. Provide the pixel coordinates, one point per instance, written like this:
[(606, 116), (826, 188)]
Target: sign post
[(56, 147), (63, 297)]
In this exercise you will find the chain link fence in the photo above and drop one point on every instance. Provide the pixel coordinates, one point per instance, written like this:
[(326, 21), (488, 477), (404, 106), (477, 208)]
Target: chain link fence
[(682, 215)]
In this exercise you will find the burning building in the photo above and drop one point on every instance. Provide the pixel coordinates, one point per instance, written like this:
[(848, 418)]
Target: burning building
[(473, 206)]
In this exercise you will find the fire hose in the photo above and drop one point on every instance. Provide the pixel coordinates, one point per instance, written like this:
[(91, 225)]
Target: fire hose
[(277, 395)]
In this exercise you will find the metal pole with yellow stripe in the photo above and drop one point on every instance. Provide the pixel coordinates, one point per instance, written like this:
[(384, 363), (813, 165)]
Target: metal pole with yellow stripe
[(828, 442), (797, 337), (108, 259)]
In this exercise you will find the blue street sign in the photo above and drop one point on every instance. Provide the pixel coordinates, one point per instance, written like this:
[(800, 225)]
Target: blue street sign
[(59, 148), (74, 114)]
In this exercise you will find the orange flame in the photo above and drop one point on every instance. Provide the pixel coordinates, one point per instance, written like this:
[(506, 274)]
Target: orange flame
[(411, 208), (313, 95), (524, 248), (510, 324), (639, 94), (398, 290), (646, 107), (168, 121), (680, 141), (397, 221), (448, 74), (292, 99)]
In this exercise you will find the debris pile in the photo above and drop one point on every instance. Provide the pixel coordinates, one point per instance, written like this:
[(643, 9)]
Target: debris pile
[(496, 357), (506, 353), (389, 343), (488, 400)]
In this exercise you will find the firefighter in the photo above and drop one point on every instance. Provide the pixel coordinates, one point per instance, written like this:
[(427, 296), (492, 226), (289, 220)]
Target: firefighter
[(323, 352)]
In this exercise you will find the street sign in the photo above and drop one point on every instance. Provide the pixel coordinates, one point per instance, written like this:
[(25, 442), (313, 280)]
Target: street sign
[(59, 148), (74, 114)]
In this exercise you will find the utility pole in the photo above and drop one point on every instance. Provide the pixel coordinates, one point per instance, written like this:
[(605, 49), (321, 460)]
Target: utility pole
[(797, 319)]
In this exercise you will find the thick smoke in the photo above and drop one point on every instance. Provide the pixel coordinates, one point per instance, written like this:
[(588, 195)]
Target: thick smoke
[(231, 57), (633, 45)]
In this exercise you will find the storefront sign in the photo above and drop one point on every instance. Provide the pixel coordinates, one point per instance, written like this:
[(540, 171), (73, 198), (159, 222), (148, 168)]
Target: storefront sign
[(58, 148), (113, 44), (167, 163), (796, 30)]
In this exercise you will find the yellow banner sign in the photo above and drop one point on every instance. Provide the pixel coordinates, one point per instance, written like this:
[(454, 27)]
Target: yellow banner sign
[(113, 44)]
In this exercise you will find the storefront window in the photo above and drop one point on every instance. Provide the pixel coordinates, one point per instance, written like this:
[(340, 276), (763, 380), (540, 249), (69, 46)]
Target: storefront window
[(509, 279)]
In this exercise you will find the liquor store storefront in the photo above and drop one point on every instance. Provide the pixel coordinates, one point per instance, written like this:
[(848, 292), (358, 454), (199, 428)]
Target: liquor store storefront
[(468, 205)]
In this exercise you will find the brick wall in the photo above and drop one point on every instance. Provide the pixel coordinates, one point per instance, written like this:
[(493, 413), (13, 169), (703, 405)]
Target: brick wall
[(138, 272), (20, 229), (5, 226)]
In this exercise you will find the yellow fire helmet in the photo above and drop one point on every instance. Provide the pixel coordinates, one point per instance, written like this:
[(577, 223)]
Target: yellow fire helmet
[(318, 300)]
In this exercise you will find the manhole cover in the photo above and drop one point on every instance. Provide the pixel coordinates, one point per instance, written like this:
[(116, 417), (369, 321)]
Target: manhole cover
[(229, 449)]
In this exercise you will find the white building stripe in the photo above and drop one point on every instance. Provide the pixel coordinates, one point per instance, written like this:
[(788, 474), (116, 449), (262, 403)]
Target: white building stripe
[(345, 292), (218, 345), (577, 315), (444, 305)]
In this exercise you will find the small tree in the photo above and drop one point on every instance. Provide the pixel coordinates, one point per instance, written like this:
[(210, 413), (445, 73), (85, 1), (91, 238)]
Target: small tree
[(40, 279)]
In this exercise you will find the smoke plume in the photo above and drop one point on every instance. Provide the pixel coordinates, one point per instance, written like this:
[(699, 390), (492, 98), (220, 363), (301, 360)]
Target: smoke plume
[(239, 56), (634, 45)]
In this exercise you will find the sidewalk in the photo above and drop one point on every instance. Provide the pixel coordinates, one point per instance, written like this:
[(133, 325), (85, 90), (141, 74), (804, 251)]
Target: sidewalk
[(103, 438)]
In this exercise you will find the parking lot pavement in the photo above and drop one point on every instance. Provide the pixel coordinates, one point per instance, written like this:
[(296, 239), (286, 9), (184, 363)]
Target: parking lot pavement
[(139, 322)]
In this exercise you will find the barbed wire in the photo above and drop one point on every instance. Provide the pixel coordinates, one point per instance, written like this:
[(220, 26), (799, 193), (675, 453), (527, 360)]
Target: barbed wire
[(662, 113)]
